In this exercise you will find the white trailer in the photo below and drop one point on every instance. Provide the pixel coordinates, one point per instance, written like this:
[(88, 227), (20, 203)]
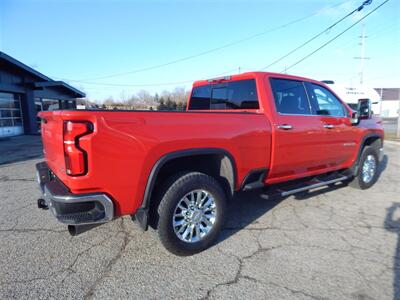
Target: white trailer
[(351, 95)]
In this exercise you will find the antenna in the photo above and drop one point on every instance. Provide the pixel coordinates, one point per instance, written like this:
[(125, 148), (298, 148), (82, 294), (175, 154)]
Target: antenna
[(362, 57)]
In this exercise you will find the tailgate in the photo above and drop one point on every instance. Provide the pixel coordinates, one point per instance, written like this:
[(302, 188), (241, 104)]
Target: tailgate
[(52, 137)]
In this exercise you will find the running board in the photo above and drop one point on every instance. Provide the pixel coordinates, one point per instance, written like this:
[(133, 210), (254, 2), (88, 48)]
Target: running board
[(296, 186), (312, 186)]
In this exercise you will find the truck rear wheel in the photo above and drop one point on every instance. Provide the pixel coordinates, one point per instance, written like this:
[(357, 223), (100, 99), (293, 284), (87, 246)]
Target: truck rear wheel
[(191, 213), (367, 173)]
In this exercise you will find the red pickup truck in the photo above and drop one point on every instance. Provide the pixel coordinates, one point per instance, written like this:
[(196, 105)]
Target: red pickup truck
[(176, 171)]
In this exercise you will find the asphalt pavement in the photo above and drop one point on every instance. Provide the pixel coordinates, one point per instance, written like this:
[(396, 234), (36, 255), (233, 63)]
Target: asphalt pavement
[(334, 243)]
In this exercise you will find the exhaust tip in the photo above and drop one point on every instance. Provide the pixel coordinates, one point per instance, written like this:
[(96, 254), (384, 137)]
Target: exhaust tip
[(72, 230), (75, 230)]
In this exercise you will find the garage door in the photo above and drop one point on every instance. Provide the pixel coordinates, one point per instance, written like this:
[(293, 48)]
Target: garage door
[(10, 115)]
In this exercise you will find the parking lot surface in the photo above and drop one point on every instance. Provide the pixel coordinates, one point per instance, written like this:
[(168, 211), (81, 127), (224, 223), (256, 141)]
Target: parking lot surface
[(20, 148), (334, 243)]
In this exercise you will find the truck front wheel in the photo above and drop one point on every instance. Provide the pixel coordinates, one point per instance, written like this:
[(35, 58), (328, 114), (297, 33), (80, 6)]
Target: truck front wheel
[(367, 173), (191, 213)]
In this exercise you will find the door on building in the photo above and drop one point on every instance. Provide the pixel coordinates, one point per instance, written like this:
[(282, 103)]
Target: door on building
[(10, 115)]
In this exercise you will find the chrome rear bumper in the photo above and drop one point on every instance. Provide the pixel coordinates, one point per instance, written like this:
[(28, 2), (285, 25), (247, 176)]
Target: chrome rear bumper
[(68, 208)]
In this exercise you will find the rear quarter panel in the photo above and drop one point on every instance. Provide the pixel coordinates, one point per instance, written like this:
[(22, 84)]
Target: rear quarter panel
[(125, 146)]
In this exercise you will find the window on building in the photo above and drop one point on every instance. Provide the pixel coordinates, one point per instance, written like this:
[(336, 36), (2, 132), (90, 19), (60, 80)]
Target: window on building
[(290, 96), (10, 110), (50, 104), (68, 104)]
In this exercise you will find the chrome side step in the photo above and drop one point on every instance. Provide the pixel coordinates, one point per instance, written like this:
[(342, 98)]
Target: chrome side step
[(312, 186)]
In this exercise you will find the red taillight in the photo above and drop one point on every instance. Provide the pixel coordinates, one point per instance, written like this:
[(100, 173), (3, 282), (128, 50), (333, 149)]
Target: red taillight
[(75, 156)]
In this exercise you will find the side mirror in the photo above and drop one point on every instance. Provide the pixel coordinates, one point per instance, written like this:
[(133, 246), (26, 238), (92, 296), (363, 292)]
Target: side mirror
[(355, 118), (364, 108)]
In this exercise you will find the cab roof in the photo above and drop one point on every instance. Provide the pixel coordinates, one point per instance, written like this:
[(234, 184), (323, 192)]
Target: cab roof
[(251, 75)]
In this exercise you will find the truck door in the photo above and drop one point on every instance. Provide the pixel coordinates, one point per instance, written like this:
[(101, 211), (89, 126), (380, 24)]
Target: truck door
[(334, 116), (300, 142)]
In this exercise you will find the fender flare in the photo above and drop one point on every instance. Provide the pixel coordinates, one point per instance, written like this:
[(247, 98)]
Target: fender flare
[(142, 213), (354, 167)]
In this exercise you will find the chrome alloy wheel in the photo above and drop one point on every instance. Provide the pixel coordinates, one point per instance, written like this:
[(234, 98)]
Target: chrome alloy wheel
[(194, 216), (368, 169)]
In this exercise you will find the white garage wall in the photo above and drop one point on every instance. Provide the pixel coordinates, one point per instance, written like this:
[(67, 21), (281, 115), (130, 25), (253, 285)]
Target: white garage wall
[(390, 109)]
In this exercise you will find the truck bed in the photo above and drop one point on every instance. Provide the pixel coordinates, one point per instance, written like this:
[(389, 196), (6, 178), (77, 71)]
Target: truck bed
[(125, 145)]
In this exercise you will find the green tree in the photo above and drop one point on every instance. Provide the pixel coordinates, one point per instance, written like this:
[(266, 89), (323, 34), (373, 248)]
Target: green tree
[(161, 105), (170, 105), (181, 106)]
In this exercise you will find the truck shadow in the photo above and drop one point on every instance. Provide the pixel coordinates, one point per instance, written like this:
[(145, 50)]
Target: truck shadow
[(392, 224), (20, 148), (247, 207)]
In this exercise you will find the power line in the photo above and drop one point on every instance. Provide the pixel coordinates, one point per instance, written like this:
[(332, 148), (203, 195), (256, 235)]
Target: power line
[(367, 2), (230, 44), (154, 84), (337, 36)]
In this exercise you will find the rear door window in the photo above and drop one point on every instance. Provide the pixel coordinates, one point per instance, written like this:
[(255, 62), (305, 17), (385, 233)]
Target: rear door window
[(240, 94), (290, 97)]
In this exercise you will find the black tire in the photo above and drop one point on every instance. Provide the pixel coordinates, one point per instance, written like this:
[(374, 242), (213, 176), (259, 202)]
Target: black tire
[(178, 188), (358, 181)]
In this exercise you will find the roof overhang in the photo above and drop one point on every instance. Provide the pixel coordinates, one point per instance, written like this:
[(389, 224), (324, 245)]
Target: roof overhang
[(44, 81), (61, 84)]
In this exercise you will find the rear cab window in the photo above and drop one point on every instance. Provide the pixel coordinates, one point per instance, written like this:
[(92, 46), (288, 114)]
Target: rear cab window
[(232, 95)]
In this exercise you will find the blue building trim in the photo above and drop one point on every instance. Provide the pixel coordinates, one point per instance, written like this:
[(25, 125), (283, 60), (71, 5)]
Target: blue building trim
[(31, 86)]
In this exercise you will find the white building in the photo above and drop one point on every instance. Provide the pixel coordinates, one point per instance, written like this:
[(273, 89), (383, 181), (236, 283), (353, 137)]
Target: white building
[(390, 102)]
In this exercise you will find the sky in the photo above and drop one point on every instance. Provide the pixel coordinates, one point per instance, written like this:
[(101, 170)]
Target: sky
[(115, 48)]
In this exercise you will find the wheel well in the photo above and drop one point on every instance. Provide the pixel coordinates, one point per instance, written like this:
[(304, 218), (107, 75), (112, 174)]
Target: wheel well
[(373, 141), (218, 165)]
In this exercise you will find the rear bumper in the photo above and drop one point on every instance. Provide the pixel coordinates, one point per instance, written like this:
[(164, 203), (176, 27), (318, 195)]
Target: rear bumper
[(72, 209)]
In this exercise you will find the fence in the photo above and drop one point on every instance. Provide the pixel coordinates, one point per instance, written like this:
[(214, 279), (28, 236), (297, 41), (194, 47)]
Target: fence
[(392, 128)]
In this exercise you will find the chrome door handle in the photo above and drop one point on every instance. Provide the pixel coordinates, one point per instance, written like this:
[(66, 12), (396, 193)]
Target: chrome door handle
[(285, 127), (329, 126)]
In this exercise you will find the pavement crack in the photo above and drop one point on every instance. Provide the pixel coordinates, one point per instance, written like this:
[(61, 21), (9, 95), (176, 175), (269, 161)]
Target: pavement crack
[(227, 283), (8, 179), (106, 271), (295, 292)]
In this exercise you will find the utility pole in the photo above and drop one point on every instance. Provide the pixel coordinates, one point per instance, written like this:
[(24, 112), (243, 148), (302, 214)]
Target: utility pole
[(362, 57), (398, 124)]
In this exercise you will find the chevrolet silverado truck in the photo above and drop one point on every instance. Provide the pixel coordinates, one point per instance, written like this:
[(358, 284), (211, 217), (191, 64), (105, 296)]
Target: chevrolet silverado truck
[(176, 171)]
